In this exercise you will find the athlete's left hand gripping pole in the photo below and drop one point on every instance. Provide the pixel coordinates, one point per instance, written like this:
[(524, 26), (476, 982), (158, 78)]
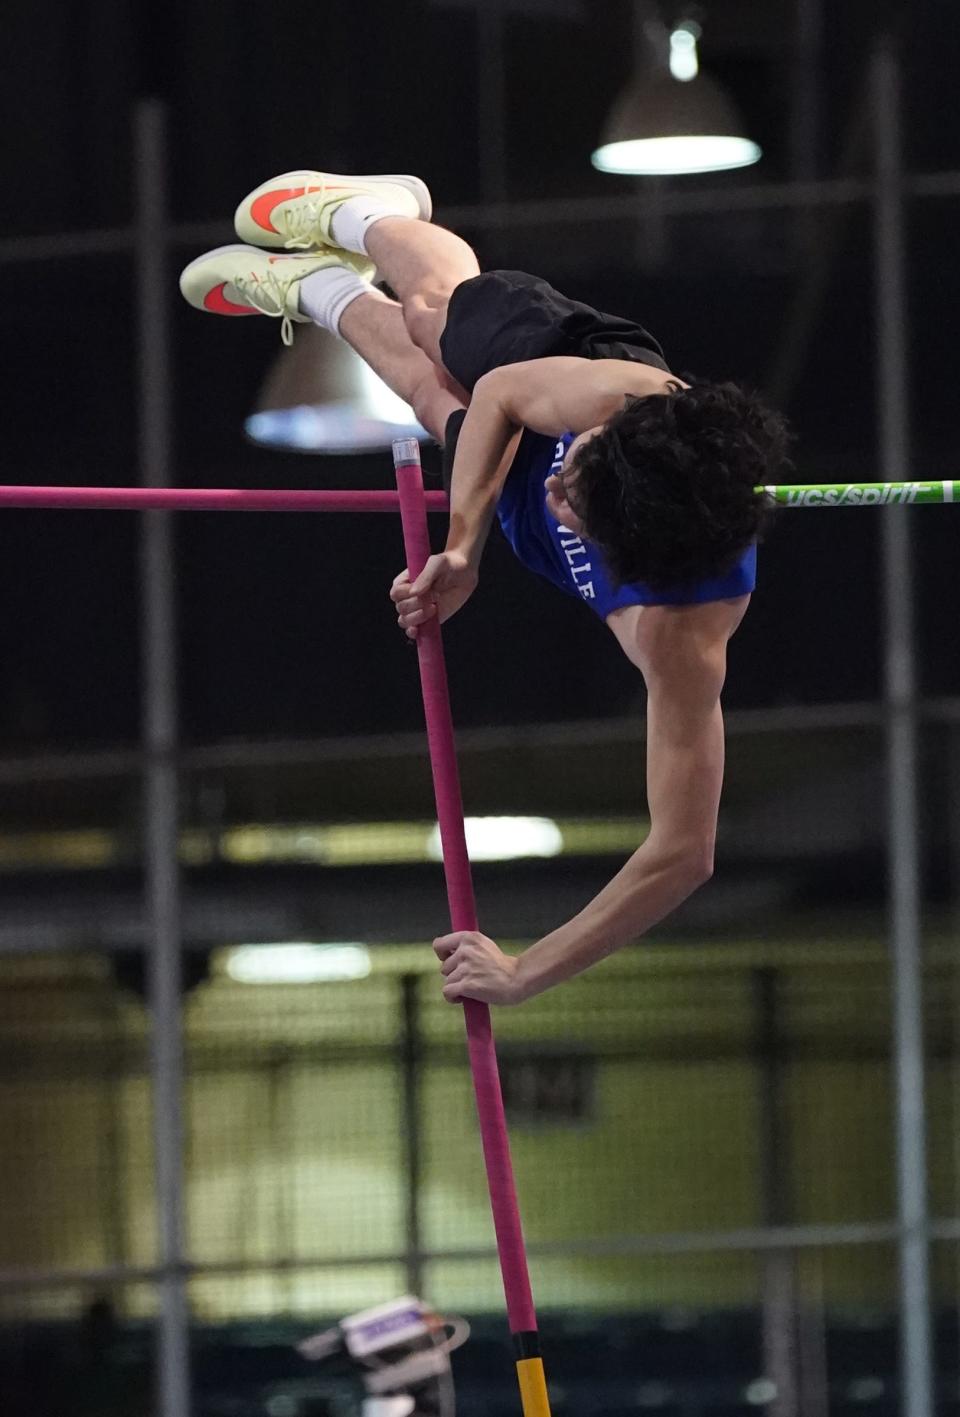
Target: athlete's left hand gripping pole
[(463, 916)]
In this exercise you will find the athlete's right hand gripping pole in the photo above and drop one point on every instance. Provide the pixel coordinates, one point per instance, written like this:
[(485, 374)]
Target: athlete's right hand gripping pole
[(463, 916)]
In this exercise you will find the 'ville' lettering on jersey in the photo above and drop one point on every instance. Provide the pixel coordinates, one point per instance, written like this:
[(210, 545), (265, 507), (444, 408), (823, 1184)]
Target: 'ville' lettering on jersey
[(571, 545), (573, 563)]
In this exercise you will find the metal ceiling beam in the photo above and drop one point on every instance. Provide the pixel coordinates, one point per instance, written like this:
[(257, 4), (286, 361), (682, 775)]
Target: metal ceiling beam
[(504, 216), (553, 9)]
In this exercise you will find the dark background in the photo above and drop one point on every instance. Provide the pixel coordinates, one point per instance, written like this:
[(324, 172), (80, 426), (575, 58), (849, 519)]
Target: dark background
[(285, 627), (285, 632)]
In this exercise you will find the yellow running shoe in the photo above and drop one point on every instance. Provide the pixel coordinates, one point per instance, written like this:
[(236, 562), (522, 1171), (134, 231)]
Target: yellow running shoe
[(242, 280), (294, 210)]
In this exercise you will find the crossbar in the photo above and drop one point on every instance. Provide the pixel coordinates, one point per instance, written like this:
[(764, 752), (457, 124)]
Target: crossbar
[(865, 494), (210, 499), (233, 499)]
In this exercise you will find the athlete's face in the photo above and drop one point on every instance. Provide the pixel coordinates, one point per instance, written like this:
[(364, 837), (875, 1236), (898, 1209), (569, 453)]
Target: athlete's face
[(561, 486)]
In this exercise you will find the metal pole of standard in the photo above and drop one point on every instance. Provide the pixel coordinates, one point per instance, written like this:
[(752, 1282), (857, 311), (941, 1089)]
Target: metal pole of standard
[(159, 732), (491, 101), (779, 1267), (410, 1064), (463, 916), (805, 115), (901, 712)]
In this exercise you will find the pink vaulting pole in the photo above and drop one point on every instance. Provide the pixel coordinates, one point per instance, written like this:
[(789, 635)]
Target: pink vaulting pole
[(463, 914), (207, 499)]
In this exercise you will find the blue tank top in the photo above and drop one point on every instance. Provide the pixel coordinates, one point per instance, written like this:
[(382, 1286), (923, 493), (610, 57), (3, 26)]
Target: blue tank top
[(574, 564)]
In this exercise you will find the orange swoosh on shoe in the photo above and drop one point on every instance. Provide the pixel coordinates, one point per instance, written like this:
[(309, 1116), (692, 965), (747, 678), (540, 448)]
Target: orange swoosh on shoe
[(261, 208), (217, 302)]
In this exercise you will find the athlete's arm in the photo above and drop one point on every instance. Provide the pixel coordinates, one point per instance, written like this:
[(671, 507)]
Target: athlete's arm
[(486, 447), (551, 396), (683, 656)]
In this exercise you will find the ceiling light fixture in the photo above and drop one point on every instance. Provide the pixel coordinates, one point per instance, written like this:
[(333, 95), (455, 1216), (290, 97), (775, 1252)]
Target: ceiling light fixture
[(320, 397), (672, 118)]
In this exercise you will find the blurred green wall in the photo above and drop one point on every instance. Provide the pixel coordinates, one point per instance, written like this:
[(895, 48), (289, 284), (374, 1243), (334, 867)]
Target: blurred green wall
[(296, 1150)]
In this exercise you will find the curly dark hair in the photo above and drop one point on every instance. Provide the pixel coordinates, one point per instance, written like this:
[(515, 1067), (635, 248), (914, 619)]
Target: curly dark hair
[(666, 489)]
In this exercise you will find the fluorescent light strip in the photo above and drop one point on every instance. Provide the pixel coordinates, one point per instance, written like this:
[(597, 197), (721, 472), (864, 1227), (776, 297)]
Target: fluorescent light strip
[(297, 962), (502, 838)]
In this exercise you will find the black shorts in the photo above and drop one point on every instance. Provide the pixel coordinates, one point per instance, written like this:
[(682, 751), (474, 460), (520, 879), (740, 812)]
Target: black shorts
[(504, 317)]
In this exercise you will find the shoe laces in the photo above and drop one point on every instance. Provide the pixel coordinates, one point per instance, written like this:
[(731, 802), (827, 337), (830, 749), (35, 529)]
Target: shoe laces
[(300, 221), (268, 294)]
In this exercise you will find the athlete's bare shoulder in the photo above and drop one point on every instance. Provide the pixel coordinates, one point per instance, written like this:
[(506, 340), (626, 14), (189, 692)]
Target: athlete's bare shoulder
[(629, 376), (568, 394)]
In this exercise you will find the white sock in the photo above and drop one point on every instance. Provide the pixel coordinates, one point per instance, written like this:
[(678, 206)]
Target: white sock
[(353, 219), (326, 293)]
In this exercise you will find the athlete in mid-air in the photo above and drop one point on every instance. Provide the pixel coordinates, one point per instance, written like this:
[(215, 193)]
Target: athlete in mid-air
[(624, 486)]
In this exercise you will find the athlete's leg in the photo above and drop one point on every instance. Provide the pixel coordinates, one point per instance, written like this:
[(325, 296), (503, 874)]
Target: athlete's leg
[(331, 289), (374, 326), (424, 264), (384, 217)]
